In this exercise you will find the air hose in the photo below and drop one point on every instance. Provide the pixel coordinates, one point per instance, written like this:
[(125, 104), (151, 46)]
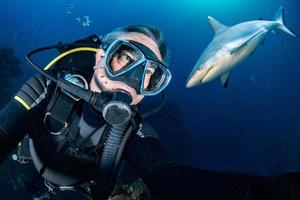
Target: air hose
[(112, 145), (117, 136)]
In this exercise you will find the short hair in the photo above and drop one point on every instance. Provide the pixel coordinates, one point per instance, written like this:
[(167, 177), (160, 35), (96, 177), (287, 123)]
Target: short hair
[(149, 30)]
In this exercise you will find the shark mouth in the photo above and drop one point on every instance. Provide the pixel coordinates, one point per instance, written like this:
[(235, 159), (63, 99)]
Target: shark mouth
[(194, 81), (201, 81)]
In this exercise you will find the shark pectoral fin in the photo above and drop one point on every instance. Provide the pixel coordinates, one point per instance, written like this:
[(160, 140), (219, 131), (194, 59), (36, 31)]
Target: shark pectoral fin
[(241, 42), (215, 25), (225, 79)]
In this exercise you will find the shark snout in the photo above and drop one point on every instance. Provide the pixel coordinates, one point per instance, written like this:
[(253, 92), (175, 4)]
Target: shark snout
[(191, 83), (192, 80), (196, 77)]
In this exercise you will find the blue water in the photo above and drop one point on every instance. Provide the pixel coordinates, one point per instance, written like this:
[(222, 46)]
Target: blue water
[(252, 126)]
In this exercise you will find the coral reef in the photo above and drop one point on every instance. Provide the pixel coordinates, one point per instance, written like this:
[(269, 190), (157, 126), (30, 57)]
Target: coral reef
[(135, 191)]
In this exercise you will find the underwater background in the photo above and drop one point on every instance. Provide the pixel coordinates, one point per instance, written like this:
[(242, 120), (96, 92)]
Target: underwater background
[(252, 126)]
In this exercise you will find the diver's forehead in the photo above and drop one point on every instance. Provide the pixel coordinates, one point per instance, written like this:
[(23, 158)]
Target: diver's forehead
[(143, 39)]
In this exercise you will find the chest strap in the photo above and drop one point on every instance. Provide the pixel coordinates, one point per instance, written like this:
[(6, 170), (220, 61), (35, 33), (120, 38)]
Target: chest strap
[(59, 112)]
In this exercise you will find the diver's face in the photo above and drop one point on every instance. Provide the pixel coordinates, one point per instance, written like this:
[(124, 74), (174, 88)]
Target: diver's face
[(120, 60)]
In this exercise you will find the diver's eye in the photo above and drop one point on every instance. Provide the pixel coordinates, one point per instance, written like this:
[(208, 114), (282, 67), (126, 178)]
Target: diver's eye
[(149, 72), (124, 58)]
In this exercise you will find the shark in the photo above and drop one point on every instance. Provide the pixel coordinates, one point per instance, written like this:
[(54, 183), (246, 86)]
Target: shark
[(231, 46)]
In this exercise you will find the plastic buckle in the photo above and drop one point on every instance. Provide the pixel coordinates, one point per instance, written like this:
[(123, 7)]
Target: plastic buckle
[(65, 125)]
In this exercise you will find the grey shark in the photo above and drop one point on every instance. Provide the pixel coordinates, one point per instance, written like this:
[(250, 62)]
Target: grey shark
[(231, 46)]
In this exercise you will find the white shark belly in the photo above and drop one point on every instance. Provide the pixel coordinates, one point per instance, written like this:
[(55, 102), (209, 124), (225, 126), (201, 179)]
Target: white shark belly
[(228, 61)]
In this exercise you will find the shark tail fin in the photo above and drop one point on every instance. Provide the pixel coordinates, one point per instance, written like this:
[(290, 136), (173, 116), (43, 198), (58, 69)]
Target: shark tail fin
[(279, 17)]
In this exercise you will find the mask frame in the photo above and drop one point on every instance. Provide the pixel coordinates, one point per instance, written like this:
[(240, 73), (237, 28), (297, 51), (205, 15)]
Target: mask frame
[(146, 58)]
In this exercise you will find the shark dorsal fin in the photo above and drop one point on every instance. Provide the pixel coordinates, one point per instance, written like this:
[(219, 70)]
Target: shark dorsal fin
[(215, 25)]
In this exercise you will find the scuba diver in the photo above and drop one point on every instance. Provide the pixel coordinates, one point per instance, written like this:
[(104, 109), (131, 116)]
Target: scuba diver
[(82, 119)]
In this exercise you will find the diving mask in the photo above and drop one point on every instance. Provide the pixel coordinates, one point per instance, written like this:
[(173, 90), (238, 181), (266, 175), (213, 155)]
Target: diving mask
[(131, 62)]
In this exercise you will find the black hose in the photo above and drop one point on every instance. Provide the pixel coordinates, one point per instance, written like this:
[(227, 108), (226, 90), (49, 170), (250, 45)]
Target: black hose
[(156, 109), (112, 144), (109, 161)]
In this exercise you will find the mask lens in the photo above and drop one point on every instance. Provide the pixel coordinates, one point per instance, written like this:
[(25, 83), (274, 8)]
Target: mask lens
[(122, 57), (157, 77)]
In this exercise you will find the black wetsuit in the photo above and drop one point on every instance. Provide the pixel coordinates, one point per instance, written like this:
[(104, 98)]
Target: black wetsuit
[(165, 178)]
